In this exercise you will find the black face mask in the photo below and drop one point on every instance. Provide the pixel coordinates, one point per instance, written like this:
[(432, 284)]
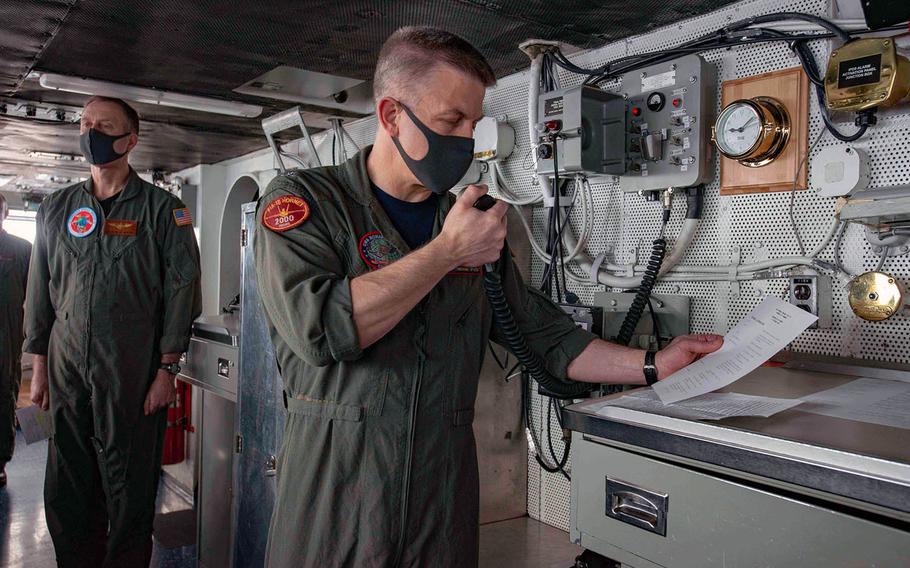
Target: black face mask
[(98, 147), (447, 159)]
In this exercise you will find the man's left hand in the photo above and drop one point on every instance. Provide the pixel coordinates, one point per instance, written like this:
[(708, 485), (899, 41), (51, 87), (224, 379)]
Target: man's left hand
[(684, 350), (161, 394)]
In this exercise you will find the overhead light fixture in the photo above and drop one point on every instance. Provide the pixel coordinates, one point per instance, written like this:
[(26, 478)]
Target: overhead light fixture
[(56, 156), (147, 96)]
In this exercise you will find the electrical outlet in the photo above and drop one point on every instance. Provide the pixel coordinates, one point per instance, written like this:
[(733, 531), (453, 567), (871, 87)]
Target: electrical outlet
[(812, 292)]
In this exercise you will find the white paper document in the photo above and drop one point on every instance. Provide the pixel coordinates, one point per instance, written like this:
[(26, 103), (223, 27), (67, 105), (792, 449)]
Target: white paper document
[(876, 401), (766, 330), (710, 406), (35, 423)]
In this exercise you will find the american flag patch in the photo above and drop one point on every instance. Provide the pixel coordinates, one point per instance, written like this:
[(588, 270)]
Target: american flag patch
[(182, 217)]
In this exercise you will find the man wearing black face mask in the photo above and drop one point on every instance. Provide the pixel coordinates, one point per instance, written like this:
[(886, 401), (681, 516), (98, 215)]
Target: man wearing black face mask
[(112, 292), (369, 279)]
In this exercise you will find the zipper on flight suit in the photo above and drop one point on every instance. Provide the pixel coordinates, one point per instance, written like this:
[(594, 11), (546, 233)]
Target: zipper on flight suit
[(412, 428)]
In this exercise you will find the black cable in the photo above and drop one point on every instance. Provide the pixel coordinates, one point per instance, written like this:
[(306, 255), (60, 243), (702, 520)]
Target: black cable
[(648, 280), (785, 16), (654, 323), (560, 462), (334, 161), (518, 345), (526, 411)]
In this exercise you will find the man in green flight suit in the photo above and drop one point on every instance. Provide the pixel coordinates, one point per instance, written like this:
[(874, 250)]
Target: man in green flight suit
[(112, 293), (14, 256), (380, 324)]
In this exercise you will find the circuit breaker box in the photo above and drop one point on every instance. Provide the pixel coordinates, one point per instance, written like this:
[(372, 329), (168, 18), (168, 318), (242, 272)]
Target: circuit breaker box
[(581, 130)]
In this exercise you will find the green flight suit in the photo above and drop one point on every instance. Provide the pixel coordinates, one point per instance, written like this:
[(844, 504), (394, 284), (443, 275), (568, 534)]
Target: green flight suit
[(378, 464), (103, 307), (14, 256)]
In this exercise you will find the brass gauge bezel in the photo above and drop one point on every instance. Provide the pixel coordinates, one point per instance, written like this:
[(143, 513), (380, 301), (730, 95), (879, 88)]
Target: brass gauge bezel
[(773, 135), (876, 296)]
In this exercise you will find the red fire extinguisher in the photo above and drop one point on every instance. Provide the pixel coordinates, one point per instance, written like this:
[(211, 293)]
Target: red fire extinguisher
[(178, 424)]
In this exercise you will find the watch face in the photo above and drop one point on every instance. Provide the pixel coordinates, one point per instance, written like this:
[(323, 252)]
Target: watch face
[(738, 129)]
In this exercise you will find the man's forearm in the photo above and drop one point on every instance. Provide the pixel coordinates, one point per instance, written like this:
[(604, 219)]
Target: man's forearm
[(605, 362), (382, 298)]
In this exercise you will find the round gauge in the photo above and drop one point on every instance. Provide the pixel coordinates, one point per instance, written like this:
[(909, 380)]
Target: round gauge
[(753, 132)]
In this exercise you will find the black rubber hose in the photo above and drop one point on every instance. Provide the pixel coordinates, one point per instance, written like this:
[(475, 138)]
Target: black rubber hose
[(648, 280), (502, 313)]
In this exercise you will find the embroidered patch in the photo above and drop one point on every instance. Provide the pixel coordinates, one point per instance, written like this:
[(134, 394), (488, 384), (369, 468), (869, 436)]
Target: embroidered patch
[(285, 213), (377, 251), (120, 227), (81, 222), (466, 271), (182, 217)]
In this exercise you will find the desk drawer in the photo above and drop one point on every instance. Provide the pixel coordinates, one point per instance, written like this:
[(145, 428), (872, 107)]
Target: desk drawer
[(212, 366), (622, 502)]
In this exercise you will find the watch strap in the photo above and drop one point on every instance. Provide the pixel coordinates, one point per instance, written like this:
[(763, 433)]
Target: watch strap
[(649, 369)]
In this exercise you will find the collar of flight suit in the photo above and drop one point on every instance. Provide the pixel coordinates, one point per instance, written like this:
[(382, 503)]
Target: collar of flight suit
[(361, 190), (132, 188)]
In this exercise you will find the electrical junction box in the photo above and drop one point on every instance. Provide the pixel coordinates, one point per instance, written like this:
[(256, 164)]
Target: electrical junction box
[(670, 311), (839, 171), (812, 292), (494, 139), (669, 113), (589, 130)]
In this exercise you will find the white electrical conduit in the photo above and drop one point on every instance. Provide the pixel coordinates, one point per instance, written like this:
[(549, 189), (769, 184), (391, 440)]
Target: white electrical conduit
[(669, 272), (502, 189)]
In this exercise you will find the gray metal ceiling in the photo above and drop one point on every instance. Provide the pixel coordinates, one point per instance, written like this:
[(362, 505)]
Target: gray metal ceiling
[(210, 47)]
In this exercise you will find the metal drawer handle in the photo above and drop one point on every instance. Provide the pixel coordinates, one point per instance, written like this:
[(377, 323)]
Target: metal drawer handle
[(637, 506), (224, 367), (631, 505)]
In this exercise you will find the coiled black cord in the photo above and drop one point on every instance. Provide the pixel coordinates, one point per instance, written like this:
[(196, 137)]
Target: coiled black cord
[(502, 313), (648, 280)]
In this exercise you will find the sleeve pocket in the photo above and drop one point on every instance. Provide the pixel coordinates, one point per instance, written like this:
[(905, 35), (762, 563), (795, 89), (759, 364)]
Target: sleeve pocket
[(181, 266)]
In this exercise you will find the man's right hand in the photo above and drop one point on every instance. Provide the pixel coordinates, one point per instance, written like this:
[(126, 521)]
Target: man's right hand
[(39, 391), (473, 237)]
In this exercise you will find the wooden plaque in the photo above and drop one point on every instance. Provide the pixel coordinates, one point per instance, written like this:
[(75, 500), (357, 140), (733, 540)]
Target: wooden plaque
[(791, 88)]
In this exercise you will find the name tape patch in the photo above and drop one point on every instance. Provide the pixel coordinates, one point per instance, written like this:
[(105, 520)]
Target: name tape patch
[(285, 213), (182, 217), (378, 251), (120, 227), (82, 222)]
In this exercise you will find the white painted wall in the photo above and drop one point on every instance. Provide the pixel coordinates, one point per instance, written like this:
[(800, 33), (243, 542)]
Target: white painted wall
[(214, 182)]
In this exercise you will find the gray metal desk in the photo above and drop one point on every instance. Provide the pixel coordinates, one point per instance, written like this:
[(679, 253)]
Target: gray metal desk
[(796, 489)]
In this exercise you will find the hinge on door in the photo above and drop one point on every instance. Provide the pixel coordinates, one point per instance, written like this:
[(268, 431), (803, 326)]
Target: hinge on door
[(243, 237), (238, 444)]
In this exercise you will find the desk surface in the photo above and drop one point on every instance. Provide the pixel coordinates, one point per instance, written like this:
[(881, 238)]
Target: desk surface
[(857, 460)]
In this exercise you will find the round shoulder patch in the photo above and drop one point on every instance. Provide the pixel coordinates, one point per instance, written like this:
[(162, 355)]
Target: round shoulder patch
[(285, 213), (377, 251), (82, 222)]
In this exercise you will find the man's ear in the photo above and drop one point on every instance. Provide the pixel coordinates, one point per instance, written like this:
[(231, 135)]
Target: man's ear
[(133, 140), (389, 112)]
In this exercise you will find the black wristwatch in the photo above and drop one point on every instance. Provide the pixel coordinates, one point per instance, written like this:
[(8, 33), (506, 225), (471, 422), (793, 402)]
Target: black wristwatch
[(650, 370), (172, 368)]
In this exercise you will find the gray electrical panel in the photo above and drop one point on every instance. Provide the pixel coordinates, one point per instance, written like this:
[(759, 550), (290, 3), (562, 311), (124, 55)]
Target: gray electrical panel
[(582, 130), (669, 111)]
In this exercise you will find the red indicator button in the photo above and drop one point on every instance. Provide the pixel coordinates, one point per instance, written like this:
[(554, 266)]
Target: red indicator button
[(636, 111), (677, 102), (553, 125)]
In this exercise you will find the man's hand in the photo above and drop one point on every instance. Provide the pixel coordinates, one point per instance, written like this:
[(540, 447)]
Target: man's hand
[(473, 237), (161, 394), (38, 392), (684, 350)]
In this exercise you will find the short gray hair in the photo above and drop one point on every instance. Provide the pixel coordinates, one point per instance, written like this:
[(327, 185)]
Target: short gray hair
[(411, 52)]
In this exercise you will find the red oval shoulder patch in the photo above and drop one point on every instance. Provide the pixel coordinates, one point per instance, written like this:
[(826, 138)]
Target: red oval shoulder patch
[(285, 213)]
